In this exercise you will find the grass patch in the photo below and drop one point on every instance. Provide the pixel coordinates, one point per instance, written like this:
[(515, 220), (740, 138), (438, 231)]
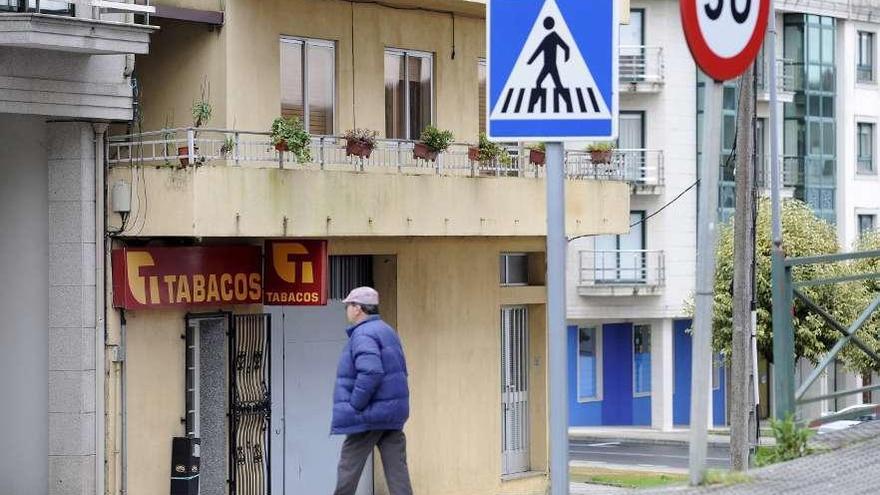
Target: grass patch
[(719, 477), (625, 479)]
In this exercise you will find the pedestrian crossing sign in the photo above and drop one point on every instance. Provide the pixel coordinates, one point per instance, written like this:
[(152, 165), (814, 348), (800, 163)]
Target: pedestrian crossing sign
[(552, 69)]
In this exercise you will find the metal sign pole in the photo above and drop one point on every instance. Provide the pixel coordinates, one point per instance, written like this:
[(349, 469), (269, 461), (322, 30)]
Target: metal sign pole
[(558, 362), (707, 217)]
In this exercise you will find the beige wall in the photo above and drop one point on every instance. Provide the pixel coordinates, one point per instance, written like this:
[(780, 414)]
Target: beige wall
[(447, 309), (224, 201)]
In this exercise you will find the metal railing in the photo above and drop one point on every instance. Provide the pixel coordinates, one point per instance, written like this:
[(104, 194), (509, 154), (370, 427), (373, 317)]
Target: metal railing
[(640, 63), (786, 74), (127, 11), (638, 267), (640, 167), (791, 168), (201, 146)]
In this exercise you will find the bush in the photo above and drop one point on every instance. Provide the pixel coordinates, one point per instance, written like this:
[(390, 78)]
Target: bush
[(293, 133), (435, 139)]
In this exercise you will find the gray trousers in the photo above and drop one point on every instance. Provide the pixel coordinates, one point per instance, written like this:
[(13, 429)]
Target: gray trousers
[(356, 449)]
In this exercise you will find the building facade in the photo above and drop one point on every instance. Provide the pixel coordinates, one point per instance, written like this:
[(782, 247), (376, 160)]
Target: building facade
[(455, 246), (65, 74)]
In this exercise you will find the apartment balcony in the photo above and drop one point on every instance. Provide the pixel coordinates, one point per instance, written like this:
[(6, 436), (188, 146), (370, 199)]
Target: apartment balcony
[(95, 27), (791, 168), (235, 183), (788, 80), (641, 69), (641, 168), (621, 273)]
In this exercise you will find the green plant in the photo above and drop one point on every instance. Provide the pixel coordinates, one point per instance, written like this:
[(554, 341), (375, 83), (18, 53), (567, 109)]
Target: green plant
[(366, 137), (490, 151), (601, 146), (202, 110), (435, 139), (791, 442), (538, 147), (228, 145), (292, 132)]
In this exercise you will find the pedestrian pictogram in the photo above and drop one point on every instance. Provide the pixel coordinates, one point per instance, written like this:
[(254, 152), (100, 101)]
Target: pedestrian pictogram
[(552, 69)]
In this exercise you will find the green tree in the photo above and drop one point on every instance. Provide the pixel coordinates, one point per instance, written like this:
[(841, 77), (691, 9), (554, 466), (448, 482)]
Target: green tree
[(804, 234)]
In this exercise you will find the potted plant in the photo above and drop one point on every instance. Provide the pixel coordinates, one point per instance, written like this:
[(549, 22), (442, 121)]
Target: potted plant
[(290, 134), (537, 154), (360, 142), (201, 114), (487, 151), (433, 141), (228, 146), (600, 153)]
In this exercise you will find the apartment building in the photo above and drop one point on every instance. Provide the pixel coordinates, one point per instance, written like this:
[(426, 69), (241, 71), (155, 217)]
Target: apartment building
[(65, 70), (204, 219)]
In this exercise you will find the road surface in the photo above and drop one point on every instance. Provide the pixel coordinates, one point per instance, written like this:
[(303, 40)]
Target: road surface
[(642, 455)]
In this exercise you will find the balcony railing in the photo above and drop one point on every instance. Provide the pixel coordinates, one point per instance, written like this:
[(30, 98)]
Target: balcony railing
[(643, 168), (786, 76), (201, 146), (639, 271), (132, 11), (641, 64), (791, 168)]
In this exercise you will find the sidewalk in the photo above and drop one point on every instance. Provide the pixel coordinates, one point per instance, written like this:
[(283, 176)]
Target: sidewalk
[(853, 467), (717, 437)]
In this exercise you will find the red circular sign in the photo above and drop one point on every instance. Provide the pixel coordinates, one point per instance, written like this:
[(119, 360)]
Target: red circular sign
[(723, 39)]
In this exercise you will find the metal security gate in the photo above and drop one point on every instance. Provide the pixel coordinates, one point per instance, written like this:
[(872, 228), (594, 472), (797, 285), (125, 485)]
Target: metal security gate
[(249, 411), (514, 390)]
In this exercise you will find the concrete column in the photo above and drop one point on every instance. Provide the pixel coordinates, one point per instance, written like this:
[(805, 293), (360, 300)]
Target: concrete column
[(661, 375), (72, 346), (24, 239)]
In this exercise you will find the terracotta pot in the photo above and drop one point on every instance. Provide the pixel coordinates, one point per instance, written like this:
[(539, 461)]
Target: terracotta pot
[(421, 150), (473, 153), (183, 151), (358, 149), (600, 156), (537, 157), (281, 146)]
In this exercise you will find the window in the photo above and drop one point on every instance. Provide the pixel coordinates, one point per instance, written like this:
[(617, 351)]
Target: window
[(621, 258), (865, 148), (865, 62), (631, 63), (514, 268), (641, 360), (588, 364), (409, 90), (308, 86), (867, 223), (481, 94)]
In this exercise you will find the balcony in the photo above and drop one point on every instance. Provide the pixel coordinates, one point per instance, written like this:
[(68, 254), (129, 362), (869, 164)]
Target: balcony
[(221, 182), (636, 272), (641, 168), (790, 166), (94, 27), (641, 69), (788, 80)]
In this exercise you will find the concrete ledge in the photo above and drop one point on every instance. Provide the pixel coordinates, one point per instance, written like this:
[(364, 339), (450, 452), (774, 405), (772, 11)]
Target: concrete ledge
[(74, 34)]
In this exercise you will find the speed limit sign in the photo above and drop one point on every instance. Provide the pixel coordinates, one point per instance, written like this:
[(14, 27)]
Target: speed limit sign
[(724, 35)]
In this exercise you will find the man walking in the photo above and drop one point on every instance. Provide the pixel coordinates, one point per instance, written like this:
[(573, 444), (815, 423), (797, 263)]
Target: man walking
[(371, 397)]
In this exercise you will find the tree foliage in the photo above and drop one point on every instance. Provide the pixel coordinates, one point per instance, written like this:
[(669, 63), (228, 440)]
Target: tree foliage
[(804, 234)]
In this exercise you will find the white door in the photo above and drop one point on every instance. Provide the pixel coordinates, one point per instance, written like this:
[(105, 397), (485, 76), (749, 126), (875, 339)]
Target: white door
[(631, 142), (515, 389), (632, 50), (313, 338)]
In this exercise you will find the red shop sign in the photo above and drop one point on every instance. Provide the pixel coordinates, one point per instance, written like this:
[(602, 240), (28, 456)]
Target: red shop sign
[(157, 277), (296, 273)]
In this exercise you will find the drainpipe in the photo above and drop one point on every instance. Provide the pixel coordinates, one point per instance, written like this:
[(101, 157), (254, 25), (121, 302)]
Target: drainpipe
[(100, 337)]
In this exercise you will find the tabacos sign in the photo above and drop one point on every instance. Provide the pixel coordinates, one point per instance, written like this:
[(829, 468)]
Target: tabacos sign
[(158, 277)]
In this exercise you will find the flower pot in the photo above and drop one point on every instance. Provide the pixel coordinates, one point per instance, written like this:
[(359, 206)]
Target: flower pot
[(536, 157), (358, 149), (182, 153), (281, 146), (473, 153), (421, 150), (600, 156)]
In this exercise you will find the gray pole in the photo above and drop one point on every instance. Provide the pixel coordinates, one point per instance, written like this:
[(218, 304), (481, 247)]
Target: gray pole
[(556, 246), (783, 335), (707, 217), (741, 395)]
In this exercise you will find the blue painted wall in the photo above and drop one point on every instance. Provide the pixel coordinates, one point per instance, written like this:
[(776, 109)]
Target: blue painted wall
[(681, 397), (579, 414)]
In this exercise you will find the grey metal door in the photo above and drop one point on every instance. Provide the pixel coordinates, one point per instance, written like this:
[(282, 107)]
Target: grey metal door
[(312, 339), (515, 389)]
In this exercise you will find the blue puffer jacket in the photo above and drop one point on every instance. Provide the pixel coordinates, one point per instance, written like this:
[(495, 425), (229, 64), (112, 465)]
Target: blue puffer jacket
[(371, 390)]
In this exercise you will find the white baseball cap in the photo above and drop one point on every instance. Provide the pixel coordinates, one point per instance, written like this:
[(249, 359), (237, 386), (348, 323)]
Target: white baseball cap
[(363, 295)]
